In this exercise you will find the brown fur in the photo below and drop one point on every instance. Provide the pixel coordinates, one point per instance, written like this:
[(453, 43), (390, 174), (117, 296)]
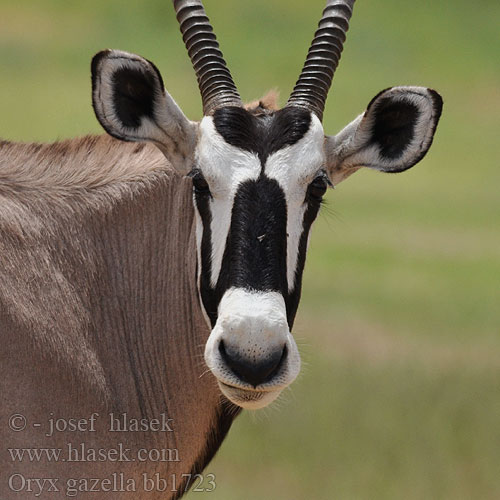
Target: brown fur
[(267, 104), (76, 164), (99, 308)]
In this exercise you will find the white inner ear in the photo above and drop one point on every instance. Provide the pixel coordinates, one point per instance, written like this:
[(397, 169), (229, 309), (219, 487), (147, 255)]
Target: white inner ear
[(104, 97), (170, 130), (353, 147), (370, 156)]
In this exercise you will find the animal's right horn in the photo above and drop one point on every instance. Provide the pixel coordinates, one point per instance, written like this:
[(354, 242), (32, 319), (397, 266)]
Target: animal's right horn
[(311, 89), (214, 79)]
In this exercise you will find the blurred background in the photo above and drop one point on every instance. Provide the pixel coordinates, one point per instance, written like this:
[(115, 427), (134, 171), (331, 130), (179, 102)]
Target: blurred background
[(399, 325)]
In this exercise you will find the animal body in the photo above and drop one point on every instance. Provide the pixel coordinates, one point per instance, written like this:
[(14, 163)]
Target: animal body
[(156, 282)]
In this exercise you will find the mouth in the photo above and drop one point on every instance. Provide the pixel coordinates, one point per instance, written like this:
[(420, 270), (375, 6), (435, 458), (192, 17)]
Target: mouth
[(249, 399)]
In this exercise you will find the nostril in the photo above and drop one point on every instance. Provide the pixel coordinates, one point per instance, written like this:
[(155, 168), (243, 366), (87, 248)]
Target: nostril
[(250, 371)]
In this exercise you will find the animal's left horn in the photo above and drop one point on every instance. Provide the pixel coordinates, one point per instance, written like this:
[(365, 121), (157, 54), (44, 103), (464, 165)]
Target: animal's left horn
[(311, 89), (214, 78)]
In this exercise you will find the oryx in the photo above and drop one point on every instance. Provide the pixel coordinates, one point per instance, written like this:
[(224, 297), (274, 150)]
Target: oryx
[(258, 179), (118, 261)]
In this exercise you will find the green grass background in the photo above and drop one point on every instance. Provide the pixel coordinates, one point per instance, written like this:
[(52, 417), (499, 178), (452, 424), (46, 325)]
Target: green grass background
[(399, 326)]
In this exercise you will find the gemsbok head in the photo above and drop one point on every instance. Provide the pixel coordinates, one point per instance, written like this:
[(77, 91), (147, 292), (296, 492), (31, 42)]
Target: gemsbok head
[(259, 176)]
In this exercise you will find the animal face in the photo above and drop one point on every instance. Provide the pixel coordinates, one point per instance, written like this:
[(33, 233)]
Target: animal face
[(258, 180), (254, 179), (258, 183)]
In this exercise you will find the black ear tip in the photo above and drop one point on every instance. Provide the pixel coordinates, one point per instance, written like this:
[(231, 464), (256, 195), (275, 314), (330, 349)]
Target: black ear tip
[(435, 94), (437, 102)]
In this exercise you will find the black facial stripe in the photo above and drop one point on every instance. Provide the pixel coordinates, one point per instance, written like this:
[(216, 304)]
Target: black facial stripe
[(255, 254), (292, 299), (263, 134), (207, 296)]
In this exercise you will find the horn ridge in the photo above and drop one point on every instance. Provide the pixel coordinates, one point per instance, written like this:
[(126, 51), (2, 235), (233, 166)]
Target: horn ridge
[(311, 89), (206, 57)]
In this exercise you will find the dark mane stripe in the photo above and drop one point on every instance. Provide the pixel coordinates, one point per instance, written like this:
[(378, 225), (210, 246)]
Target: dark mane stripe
[(221, 425)]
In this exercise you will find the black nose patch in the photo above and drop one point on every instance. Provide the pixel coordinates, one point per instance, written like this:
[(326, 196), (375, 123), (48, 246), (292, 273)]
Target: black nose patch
[(255, 255), (256, 245), (248, 370)]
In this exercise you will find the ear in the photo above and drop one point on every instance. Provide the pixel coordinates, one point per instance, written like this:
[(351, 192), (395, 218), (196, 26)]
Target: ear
[(393, 134), (131, 104)]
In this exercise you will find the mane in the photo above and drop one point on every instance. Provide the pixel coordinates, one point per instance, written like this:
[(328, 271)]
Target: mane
[(84, 163)]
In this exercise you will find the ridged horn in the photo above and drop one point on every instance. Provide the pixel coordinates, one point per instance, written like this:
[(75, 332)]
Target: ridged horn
[(214, 79), (311, 89)]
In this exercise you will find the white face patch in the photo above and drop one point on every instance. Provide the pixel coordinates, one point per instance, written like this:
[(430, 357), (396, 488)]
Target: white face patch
[(264, 192), (254, 325), (224, 167), (294, 167)]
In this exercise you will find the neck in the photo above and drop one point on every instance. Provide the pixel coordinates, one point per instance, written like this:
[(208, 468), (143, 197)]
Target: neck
[(102, 281)]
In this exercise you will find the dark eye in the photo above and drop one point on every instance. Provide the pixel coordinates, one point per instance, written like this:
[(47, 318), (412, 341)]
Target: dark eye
[(318, 187), (200, 185)]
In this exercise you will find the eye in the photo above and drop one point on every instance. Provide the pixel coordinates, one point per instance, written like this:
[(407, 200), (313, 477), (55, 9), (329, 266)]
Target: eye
[(200, 185), (317, 189)]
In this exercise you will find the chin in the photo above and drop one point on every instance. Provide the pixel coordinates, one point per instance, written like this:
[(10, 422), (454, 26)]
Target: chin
[(248, 399)]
